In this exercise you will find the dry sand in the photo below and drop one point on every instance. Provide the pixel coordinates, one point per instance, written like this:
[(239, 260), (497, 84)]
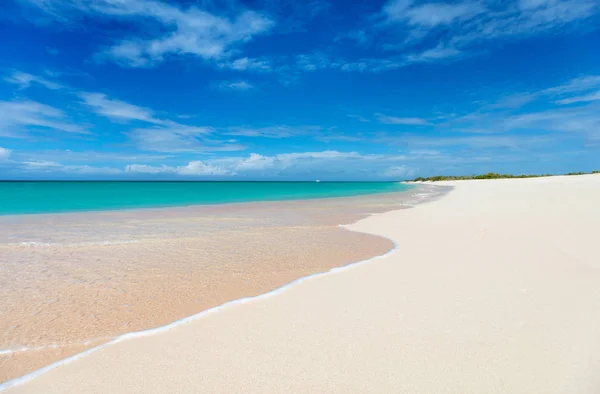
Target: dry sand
[(494, 288)]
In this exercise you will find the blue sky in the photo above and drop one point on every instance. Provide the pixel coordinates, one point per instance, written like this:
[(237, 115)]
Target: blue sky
[(289, 90)]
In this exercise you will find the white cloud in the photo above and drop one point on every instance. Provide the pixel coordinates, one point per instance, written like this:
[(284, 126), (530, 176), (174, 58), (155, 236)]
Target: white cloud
[(117, 109), (280, 131), (288, 158), (199, 168), (359, 118), (433, 14), (25, 80), (179, 138), (193, 168), (298, 164), (584, 120), (580, 99), (319, 61), (533, 17), (52, 166), (403, 121), (235, 85), (40, 164), (255, 162), (576, 90), (575, 85), (424, 152), (301, 162), (529, 129), (466, 23), (396, 10), (147, 169), (248, 64), (515, 100), (87, 156), (478, 142), (21, 117), (571, 108), (164, 135), (174, 30), (4, 154), (441, 52), (314, 62)]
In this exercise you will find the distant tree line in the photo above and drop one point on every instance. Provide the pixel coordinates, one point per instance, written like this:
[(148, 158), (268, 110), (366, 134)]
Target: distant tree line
[(489, 175)]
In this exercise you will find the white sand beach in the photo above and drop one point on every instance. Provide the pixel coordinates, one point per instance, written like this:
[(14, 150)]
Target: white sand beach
[(493, 288)]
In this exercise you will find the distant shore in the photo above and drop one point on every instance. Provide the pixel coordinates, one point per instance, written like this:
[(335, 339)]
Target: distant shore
[(493, 289), (492, 175)]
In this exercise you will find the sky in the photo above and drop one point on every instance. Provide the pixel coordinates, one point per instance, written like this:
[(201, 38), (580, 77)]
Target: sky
[(297, 90)]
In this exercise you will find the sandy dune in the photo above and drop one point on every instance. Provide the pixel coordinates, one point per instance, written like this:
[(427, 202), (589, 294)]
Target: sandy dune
[(494, 288)]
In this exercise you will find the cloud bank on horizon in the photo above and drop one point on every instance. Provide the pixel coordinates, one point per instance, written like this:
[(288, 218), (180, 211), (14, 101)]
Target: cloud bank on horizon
[(266, 89)]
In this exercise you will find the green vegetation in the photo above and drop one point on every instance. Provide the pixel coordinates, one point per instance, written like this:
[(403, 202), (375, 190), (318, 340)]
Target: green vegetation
[(489, 175)]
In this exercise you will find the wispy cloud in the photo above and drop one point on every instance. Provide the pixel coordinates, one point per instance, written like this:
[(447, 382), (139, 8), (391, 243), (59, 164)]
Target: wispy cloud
[(159, 134), (429, 15), (577, 90), (193, 168), (412, 121), (312, 164), (24, 80), (55, 167), (315, 61), (294, 16), (86, 156), (575, 85), (177, 138), (20, 118), (300, 162), (248, 64), (526, 18), (459, 26), (278, 131), (439, 53), (329, 164), (580, 99), (359, 118), (494, 142), (235, 85), (116, 109), (4, 154), (182, 31), (570, 111), (583, 120)]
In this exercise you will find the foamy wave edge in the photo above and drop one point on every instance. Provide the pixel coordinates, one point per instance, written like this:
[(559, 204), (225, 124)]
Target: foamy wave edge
[(138, 334)]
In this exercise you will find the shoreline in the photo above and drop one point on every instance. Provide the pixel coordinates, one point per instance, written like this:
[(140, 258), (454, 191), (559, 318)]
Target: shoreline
[(207, 204), (401, 198), (504, 303), (138, 334)]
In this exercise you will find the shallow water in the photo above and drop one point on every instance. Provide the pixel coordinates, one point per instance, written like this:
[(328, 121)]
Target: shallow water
[(51, 197), (71, 281)]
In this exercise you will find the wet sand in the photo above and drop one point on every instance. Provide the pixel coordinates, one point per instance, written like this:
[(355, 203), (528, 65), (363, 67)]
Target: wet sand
[(73, 281)]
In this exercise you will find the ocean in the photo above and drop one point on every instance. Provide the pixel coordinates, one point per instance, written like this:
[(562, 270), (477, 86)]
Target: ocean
[(64, 196)]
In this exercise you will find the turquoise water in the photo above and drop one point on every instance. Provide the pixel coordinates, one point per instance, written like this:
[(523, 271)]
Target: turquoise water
[(52, 197)]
